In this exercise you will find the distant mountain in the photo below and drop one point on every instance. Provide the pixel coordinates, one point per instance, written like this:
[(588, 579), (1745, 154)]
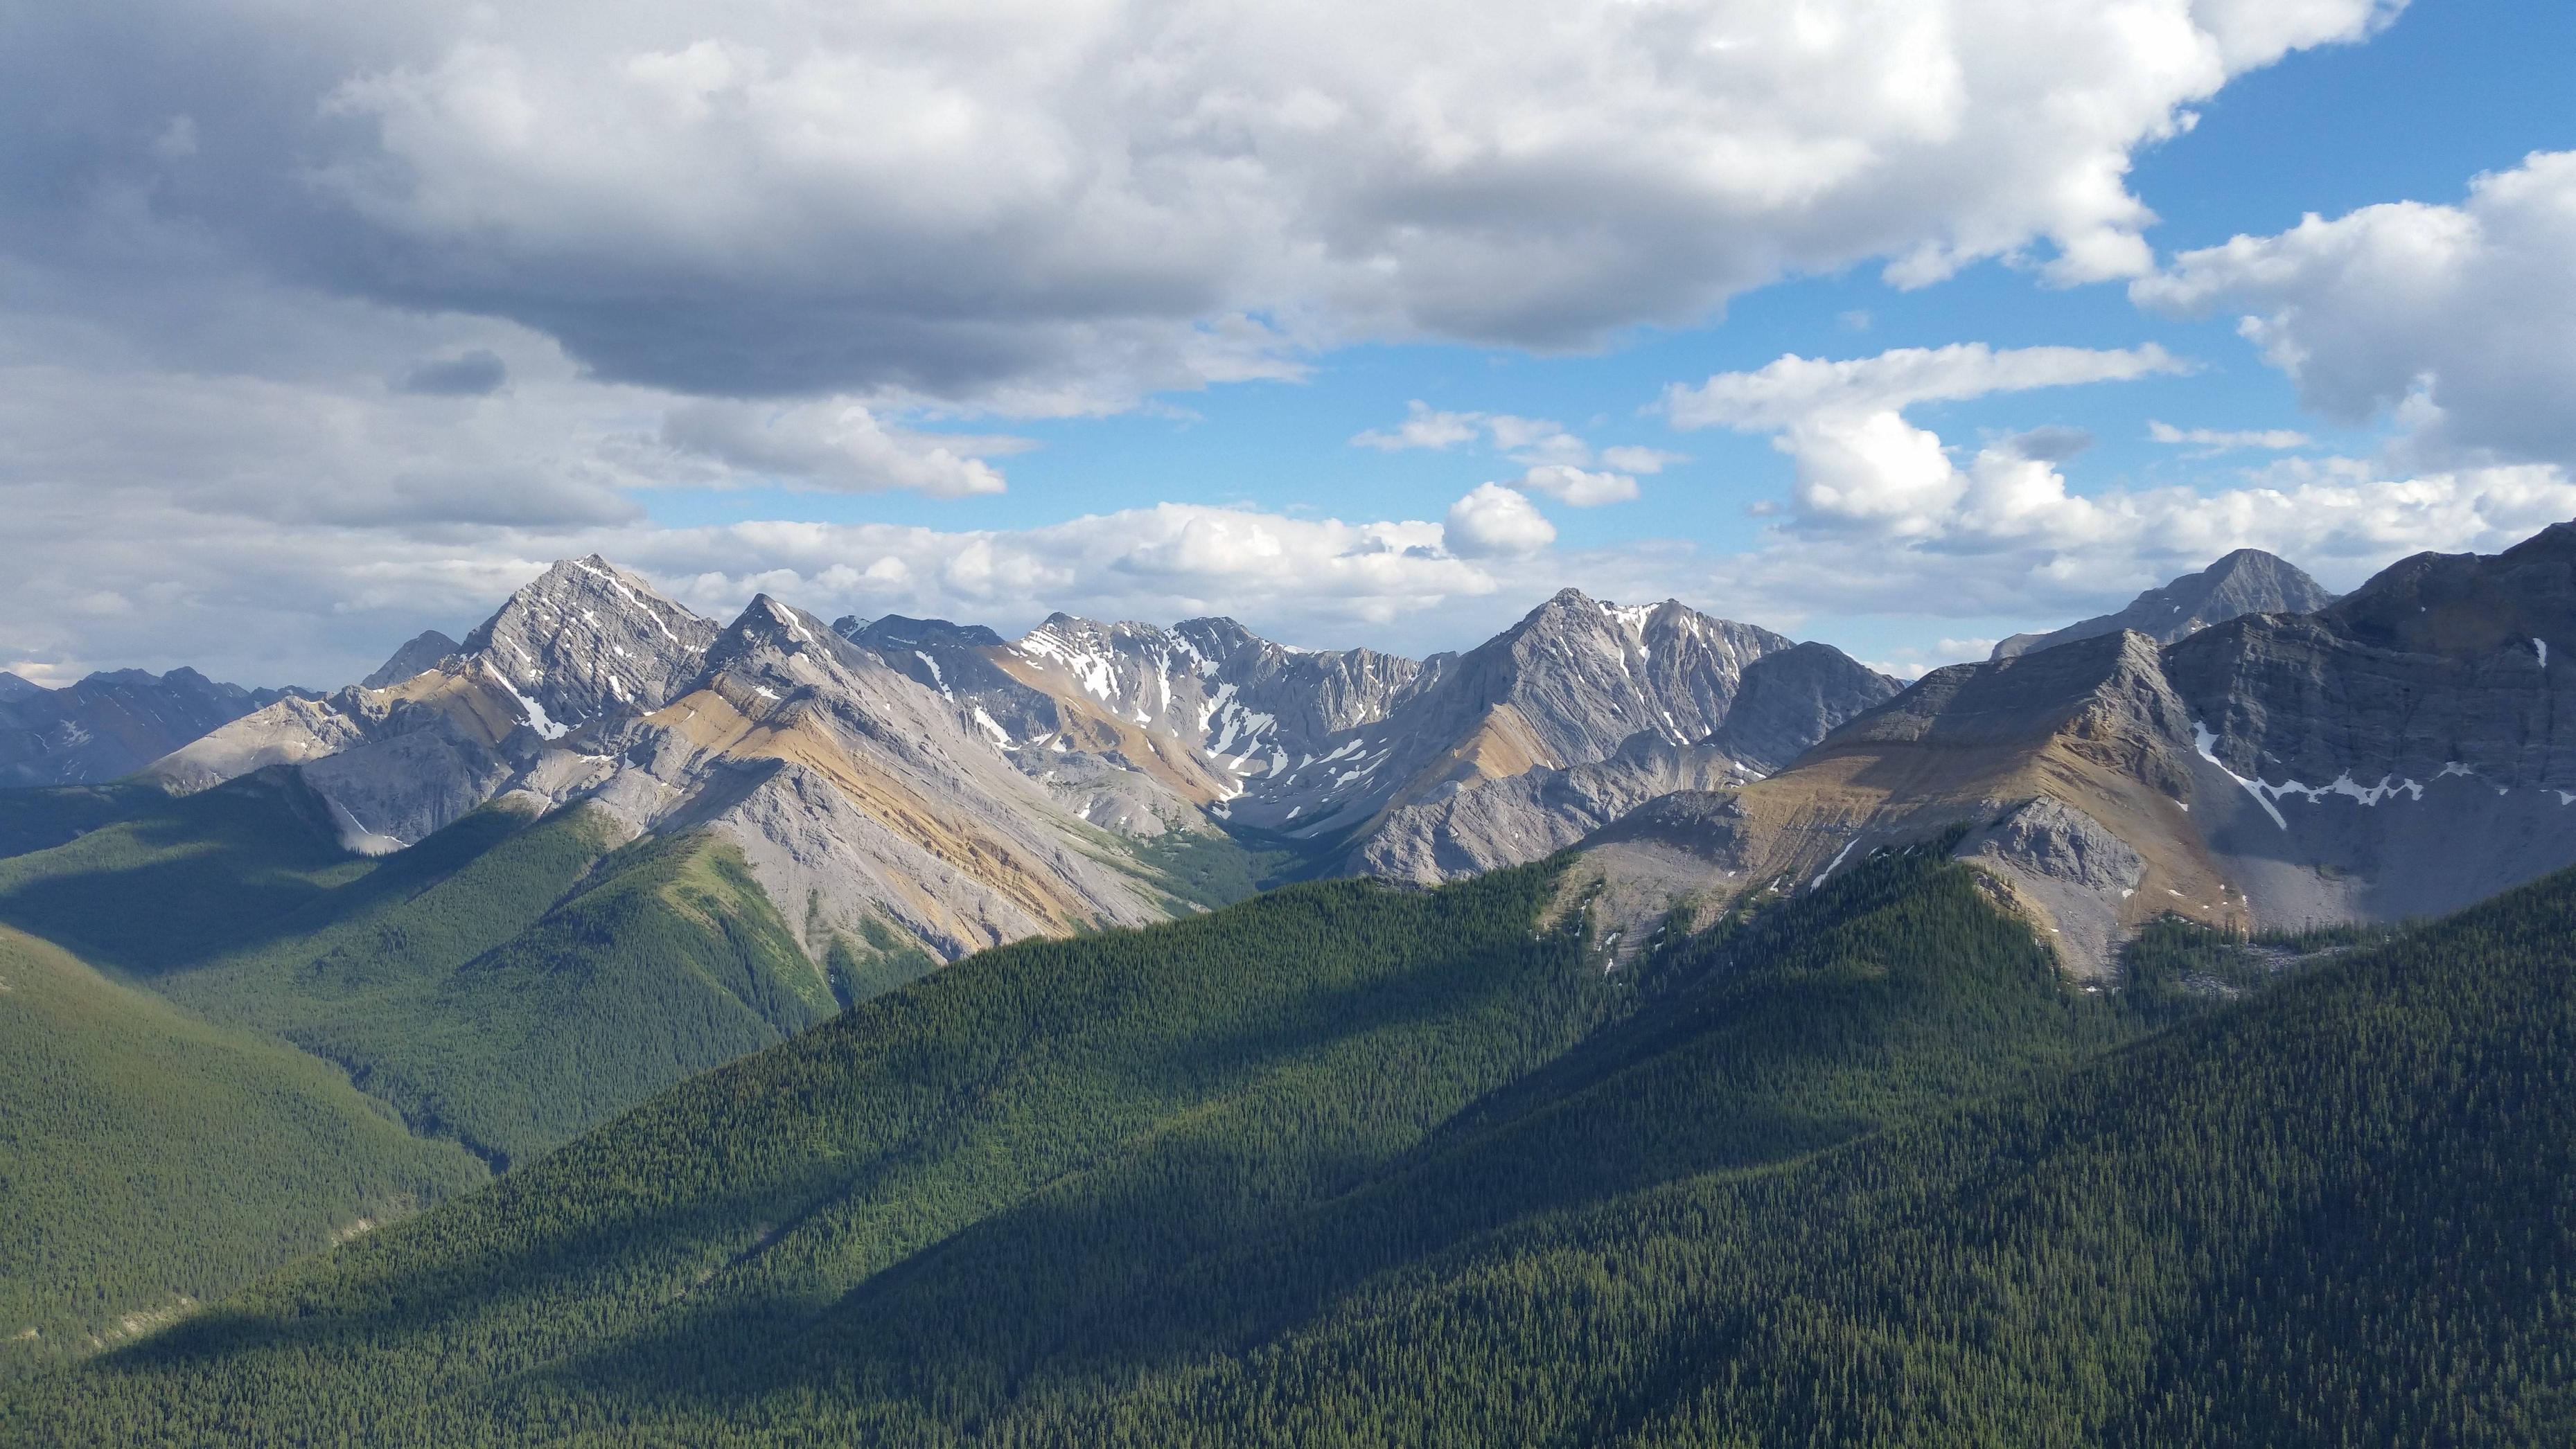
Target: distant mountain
[(423, 652), (2248, 581), (111, 724), (2400, 752), (1366, 762), (1563, 692), (584, 641)]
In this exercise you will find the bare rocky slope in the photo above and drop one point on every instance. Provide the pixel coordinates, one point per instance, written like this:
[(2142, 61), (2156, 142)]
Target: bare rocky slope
[(2400, 752), (956, 789)]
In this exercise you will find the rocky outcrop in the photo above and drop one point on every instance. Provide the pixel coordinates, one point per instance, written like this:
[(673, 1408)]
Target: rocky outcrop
[(588, 640), (582, 643), (1790, 699), (1462, 829), (2248, 581)]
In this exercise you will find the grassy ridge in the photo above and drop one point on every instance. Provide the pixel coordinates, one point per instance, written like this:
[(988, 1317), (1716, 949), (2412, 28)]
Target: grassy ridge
[(147, 1157)]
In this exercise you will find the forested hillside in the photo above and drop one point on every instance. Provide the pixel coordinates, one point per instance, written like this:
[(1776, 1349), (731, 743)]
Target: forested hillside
[(149, 1160), (1350, 1165), (1062, 1179)]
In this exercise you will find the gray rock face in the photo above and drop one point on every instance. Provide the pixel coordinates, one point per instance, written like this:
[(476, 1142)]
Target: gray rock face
[(1790, 699), (1462, 830), (418, 655), (857, 795), (2440, 664), (112, 724), (587, 640), (583, 642), (2248, 581), (13, 688)]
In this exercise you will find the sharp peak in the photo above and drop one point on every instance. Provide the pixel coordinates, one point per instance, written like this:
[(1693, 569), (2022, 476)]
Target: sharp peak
[(767, 611)]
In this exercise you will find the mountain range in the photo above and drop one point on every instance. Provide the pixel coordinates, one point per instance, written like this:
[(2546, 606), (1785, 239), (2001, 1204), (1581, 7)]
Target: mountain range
[(457, 921)]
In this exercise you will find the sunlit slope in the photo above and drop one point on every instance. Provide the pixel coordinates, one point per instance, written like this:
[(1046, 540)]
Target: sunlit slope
[(149, 1160)]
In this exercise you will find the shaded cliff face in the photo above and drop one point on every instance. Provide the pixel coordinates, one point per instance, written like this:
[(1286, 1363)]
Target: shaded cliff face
[(588, 640), (111, 724), (2248, 581)]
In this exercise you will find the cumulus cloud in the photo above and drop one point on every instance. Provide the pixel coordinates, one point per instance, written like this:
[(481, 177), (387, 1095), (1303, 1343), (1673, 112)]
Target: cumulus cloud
[(1071, 204), (1862, 466), (1493, 520), (2458, 320), (2340, 519), (1884, 517)]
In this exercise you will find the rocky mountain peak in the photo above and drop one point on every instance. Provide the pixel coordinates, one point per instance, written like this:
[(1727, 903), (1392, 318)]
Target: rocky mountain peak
[(420, 653), (587, 638), (13, 687), (898, 631), (2247, 581), (2468, 605)]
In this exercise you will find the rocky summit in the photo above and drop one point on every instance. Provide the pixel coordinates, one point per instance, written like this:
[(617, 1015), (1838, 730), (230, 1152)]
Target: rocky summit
[(2248, 581)]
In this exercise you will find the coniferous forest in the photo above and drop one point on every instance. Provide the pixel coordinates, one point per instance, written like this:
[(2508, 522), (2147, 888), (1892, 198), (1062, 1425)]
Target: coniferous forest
[(1346, 1164)]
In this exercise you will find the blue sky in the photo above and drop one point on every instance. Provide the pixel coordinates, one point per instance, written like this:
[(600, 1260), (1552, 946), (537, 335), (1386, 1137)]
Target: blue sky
[(896, 379)]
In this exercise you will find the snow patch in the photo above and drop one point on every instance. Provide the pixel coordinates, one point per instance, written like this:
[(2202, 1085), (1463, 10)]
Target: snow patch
[(533, 712), (1831, 864)]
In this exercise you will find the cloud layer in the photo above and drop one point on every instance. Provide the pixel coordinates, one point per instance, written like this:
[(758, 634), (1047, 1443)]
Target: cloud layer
[(1061, 207)]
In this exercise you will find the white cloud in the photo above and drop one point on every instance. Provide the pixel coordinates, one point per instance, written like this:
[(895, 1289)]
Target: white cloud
[(1861, 465), (1556, 462), (1423, 427), (2458, 320), (2219, 440), (1577, 488), (2070, 556), (1492, 520), (1884, 519), (1794, 389), (837, 445), (1074, 204)]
